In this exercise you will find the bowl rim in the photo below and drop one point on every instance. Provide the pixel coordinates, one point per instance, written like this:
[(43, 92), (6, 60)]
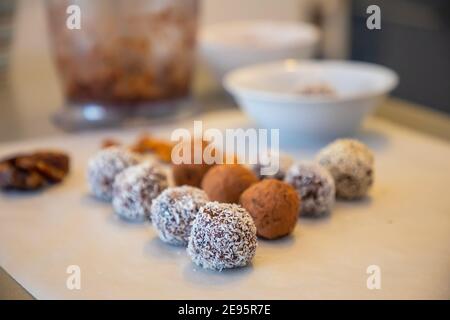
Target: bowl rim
[(228, 82), (207, 40)]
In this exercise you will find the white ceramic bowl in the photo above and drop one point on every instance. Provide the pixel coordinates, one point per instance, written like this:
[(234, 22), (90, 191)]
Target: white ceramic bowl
[(230, 45), (273, 95)]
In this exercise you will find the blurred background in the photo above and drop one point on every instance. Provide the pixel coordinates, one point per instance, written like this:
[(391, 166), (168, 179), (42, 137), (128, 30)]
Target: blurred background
[(414, 41)]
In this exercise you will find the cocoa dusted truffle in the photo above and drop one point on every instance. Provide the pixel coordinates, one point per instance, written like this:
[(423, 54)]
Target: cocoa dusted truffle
[(174, 211), (351, 163), (225, 183), (135, 188), (103, 168), (284, 163), (314, 185), (274, 207), (191, 173), (223, 236)]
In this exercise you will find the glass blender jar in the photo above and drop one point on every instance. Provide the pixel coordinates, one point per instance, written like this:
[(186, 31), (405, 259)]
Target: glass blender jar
[(128, 58)]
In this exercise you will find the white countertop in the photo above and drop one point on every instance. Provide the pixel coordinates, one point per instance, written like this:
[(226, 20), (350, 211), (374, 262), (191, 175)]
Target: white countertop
[(403, 227)]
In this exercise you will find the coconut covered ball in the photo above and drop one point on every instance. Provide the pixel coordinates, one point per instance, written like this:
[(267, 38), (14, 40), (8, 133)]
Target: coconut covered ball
[(174, 211), (351, 163), (225, 183), (135, 188), (223, 236), (103, 168), (274, 207), (284, 163), (314, 185)]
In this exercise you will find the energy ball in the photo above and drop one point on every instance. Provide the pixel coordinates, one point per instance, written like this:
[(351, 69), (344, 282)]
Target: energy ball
[(103, 168), (174, 211), (351, 163), (189, 174), (314, 185), (223, 236), (284, 163), (274, 207), (135, 188), (225, 183)]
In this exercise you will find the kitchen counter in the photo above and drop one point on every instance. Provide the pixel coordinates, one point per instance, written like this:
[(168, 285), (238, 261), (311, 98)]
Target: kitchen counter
[(29, 96), (29, 100), (325, 258)]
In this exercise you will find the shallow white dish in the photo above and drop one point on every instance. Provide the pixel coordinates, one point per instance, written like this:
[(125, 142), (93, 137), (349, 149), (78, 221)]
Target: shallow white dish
[(228, 45), (270, 95)]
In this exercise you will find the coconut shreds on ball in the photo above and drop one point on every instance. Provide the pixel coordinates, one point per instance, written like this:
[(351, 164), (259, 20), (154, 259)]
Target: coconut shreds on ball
[(103, 168), (135, 188), (351, 163), (314, 185), (222, 236), (173, 213)]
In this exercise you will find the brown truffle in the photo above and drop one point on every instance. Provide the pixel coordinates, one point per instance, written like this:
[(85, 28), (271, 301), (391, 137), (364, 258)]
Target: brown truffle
[(191, 174), (225, 183), (274, 206)]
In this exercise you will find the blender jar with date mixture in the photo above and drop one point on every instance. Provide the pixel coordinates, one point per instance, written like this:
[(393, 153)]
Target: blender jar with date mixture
[(122, 58)]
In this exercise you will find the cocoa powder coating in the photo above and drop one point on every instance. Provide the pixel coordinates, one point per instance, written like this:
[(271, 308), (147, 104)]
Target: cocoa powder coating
[(274, 207), (191, 174), (225, 183)]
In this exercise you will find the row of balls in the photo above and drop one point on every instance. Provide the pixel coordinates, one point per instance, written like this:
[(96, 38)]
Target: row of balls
[(343, 169), (217, 231), (217, 235)]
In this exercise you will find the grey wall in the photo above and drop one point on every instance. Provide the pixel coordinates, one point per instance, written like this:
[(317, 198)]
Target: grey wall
[(414, 40)]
